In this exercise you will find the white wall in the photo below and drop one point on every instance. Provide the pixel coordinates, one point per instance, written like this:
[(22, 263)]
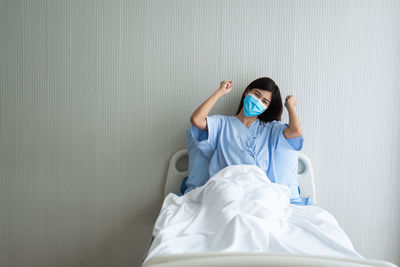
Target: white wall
[(96, 95)]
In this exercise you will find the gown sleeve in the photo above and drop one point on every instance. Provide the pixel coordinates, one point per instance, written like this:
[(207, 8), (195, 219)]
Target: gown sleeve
[(206, 141), (288, 143)]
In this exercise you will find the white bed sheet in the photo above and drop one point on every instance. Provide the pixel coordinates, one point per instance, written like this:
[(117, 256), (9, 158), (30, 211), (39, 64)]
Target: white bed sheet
[(240, 210)]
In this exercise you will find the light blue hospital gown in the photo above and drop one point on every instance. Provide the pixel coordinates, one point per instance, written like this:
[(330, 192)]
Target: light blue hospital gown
[(230, 142)]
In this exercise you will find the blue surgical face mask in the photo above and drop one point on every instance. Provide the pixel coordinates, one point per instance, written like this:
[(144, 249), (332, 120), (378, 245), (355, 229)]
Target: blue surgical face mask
[(252, 106)]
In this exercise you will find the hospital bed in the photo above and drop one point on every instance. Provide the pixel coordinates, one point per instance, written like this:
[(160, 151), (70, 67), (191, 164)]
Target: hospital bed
[(175, 175)]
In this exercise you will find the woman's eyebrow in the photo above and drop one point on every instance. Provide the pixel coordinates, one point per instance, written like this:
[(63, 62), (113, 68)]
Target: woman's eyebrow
[(264, 97)]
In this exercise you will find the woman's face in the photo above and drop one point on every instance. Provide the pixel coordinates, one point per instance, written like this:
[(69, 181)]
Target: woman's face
[(264, 96)]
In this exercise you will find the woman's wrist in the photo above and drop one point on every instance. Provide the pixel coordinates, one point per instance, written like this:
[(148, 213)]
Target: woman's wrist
[(218, 93), (290, 108)]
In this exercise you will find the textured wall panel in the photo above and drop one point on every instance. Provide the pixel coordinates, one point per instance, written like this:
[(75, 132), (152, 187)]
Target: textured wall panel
[(95, 96)]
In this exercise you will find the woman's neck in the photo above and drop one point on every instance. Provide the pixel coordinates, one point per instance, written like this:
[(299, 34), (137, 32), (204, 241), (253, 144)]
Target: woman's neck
[(247, 121)]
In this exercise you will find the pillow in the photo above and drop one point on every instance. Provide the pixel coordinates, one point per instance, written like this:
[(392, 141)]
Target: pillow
[(287, 161), (198, 162), (286, 168)]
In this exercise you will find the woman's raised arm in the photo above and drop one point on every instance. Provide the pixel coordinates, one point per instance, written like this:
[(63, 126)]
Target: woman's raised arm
[(198, 117), (294, 128)]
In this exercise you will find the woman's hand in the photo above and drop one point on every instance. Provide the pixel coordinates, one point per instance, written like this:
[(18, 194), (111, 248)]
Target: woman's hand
[(225, 87), (290, 101)]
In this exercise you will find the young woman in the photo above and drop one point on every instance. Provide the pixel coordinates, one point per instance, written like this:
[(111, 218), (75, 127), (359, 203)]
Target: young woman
[(253, 134)]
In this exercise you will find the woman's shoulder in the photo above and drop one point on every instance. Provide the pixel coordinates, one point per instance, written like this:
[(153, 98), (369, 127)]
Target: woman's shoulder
[(221, 117), (218, 118), (270, 123)]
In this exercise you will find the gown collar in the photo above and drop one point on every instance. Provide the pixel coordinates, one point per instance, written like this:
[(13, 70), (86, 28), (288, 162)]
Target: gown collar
[(254, 124)]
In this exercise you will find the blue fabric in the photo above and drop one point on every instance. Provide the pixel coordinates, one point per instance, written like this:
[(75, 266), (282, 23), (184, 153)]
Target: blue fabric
[(306, 201), (198, 162), (230, 142), (183, 185), (287, 162)]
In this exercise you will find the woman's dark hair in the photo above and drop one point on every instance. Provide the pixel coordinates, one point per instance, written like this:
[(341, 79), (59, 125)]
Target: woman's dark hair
[(275, 107)]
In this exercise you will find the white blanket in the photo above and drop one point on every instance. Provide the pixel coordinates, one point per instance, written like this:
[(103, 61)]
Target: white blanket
[(240, 210)]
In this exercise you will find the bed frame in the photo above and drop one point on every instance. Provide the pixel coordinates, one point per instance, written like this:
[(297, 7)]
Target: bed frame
[(307, 189), (258, 260), (175, 176)]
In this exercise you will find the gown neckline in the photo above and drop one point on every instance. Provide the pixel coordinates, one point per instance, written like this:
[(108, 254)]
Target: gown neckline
[(248, 128)]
